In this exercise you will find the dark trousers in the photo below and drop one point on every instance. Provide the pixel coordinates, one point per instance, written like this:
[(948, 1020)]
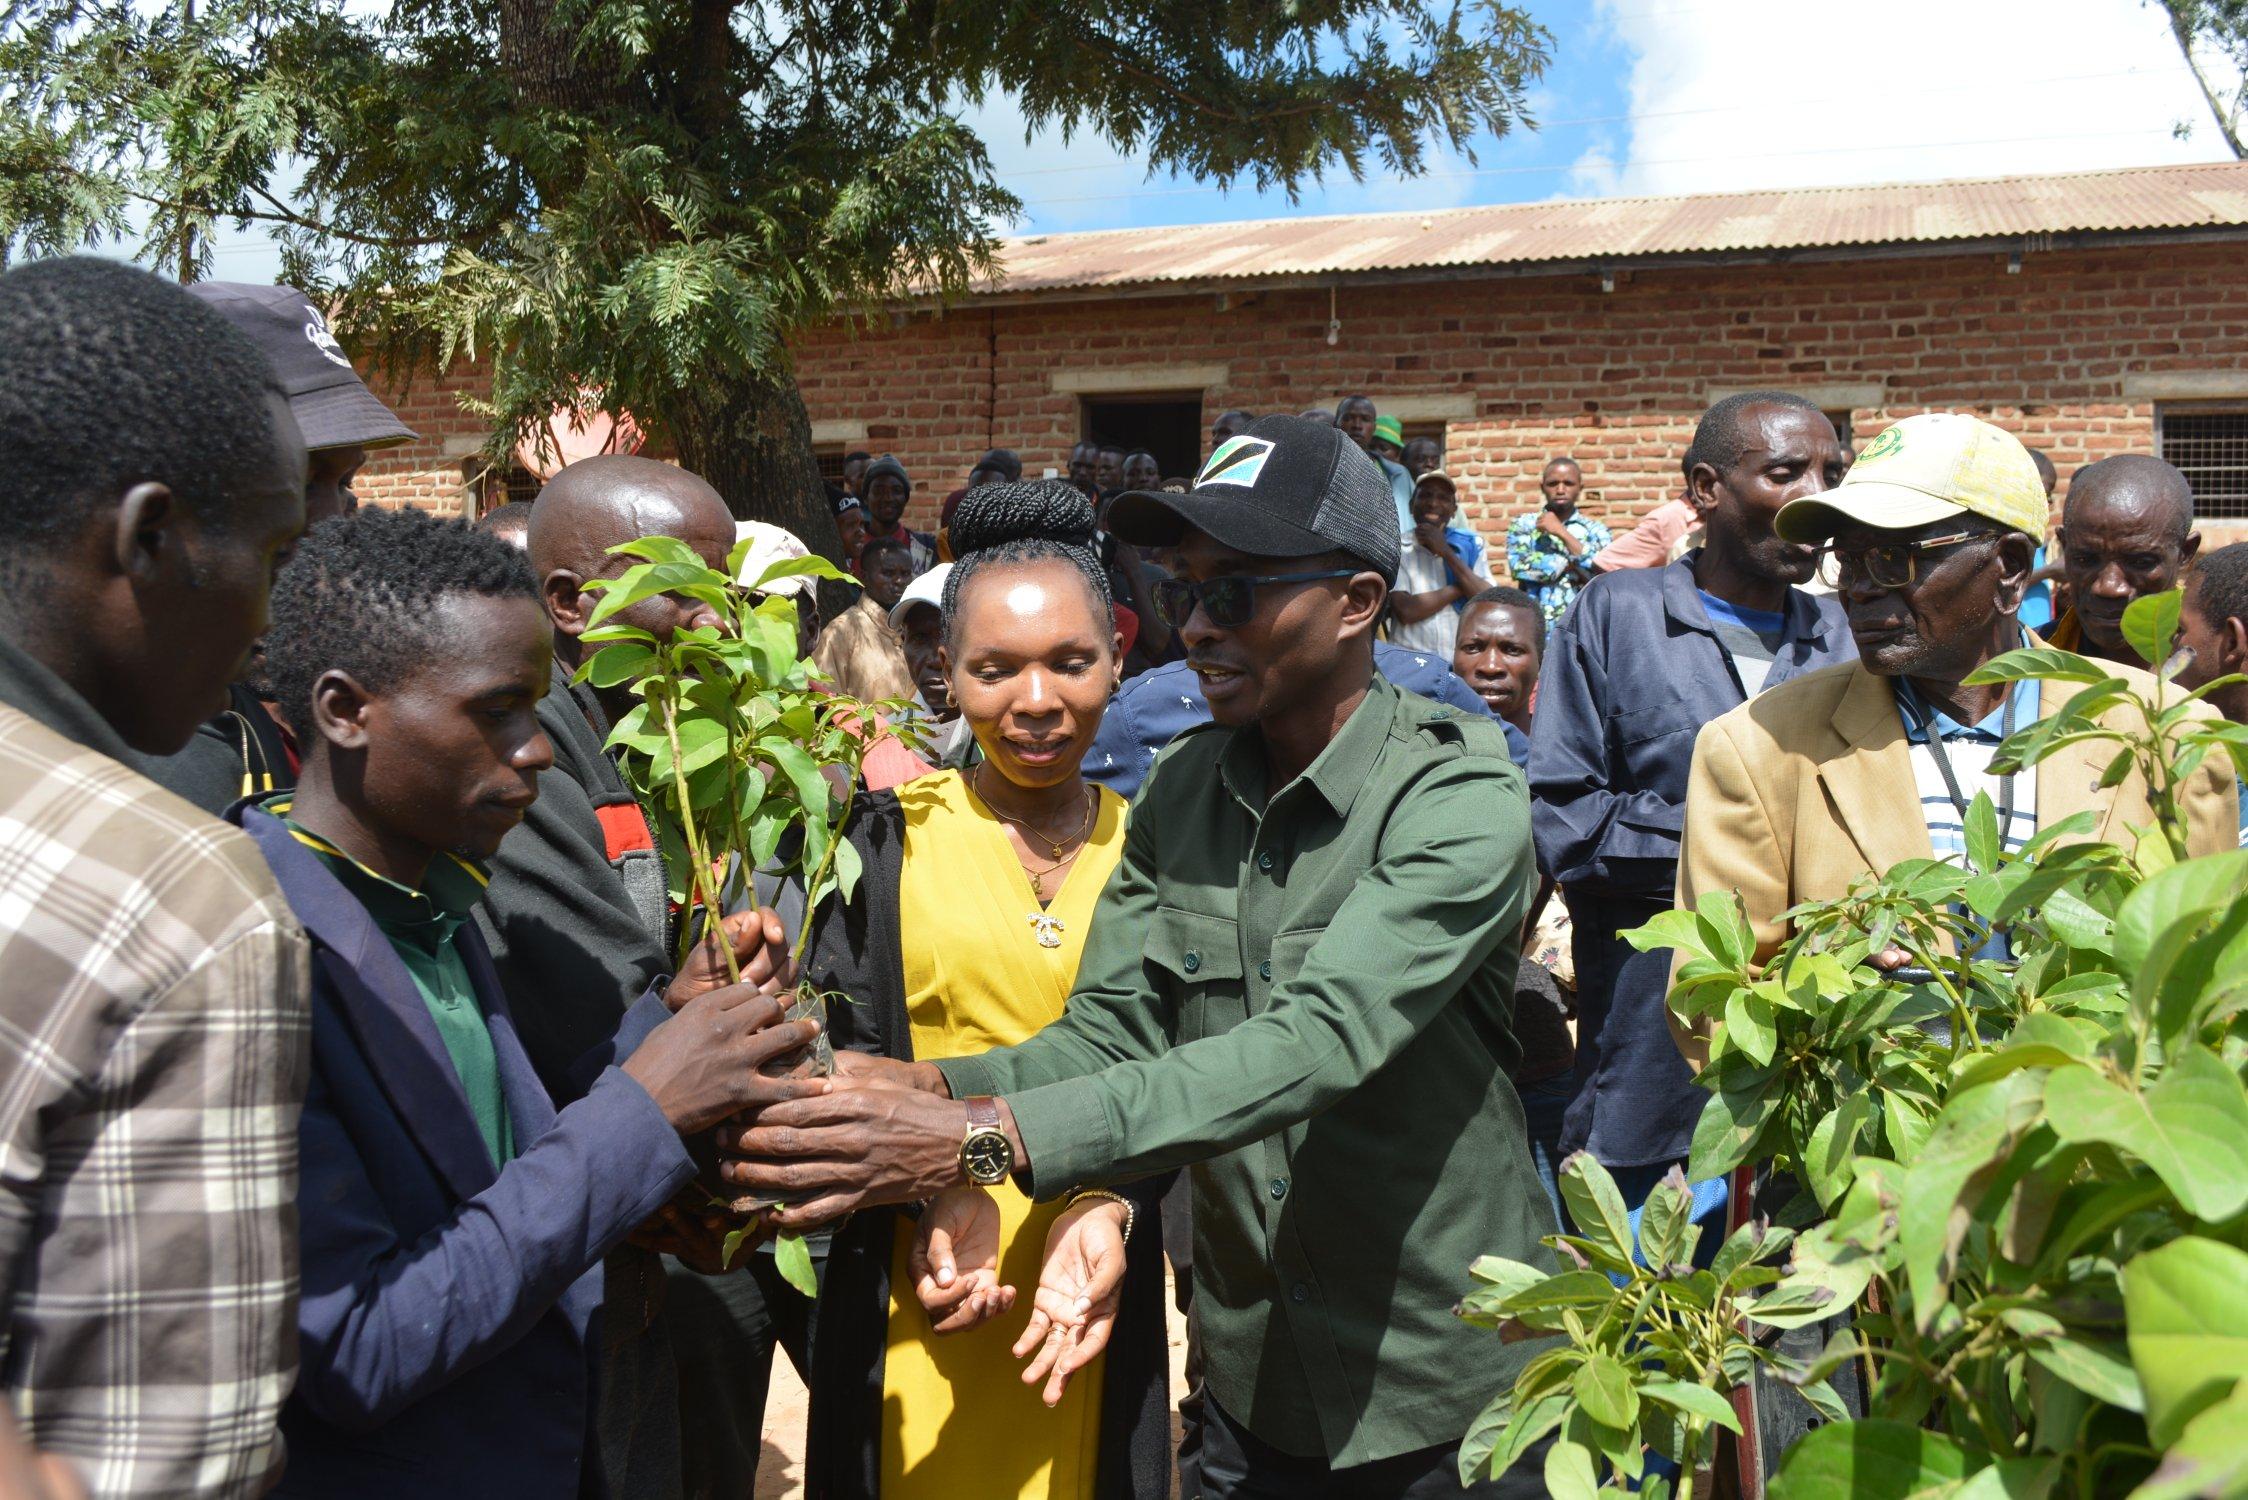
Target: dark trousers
[(1237, 1466), (1545, 1110), (1178, 1244), (723, 1332)]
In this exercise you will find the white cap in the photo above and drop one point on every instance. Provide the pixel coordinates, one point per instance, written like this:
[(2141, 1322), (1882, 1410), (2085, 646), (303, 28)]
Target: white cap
[(927, 589), (770, 544)]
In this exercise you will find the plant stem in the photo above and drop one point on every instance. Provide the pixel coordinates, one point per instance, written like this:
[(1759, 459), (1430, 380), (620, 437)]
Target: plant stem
[(699, 876)]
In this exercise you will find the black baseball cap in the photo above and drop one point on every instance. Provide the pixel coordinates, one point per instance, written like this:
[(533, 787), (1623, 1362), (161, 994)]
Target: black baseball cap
[(1281, 487), (332, 405)]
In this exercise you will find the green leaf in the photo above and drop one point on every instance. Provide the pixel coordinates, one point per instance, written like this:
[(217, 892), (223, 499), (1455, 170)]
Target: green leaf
[(1666, 1221), (1568, 1289), (1694, 1400), (2150, 624), (733, 1241), (1603, 1389), (1595, 1205), (2042, 662), (1833, 1147), (2031, 1478), (1483, 1436), (2209, 968), (1506, 1276), (1972, 1137), (2042, 1040), (2095, 1367), (2187, 1324), (793, 1259), (1728, 1129), (1725, 928), (646, 581), (812, 790), (1568, 1473), (1680, 930), (1982, 833), (794, 567), (1870, 1460), (2190, 1128), (847, 869), (661, 548), (2077, 922), (2198, 886), (1749, 1024), (2210, 1458), (2092, 1211), (1521, 1433)]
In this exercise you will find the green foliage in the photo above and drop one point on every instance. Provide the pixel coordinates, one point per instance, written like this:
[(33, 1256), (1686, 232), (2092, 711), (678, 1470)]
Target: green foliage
[(638, 202), (730, 750), (1647, 1341), (2026, 1179), (731, 743)]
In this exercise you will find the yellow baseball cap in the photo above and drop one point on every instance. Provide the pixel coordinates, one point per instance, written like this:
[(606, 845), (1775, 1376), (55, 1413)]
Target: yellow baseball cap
[(1927, 468)]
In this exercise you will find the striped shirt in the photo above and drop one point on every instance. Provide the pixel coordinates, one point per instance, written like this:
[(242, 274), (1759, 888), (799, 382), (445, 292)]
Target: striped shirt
[(153, 1059), (1968, 749)]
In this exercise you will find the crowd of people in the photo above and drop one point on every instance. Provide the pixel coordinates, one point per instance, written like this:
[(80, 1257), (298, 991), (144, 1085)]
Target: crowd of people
[(1247, 901)]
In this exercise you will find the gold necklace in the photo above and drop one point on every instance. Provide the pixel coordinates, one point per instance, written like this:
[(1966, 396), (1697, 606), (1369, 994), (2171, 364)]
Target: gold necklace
[(1054, 847), (1044, 925)]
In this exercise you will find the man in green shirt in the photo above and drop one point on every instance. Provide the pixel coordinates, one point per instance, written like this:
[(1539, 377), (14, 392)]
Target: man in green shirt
[(1299, 984)]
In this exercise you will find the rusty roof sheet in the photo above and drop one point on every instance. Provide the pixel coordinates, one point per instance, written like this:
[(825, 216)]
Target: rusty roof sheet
[(2138, 199)]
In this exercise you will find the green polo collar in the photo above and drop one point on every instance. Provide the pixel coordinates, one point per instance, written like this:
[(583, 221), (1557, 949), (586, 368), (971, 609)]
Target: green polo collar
[(1338, 771), (427, 917)]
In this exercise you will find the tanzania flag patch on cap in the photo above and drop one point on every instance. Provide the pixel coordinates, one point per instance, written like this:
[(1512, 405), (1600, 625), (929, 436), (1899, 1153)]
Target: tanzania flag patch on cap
[(1239, 460)]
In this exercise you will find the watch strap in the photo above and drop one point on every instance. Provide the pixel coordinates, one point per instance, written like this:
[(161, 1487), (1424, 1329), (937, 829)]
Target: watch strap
[(983, 1112)]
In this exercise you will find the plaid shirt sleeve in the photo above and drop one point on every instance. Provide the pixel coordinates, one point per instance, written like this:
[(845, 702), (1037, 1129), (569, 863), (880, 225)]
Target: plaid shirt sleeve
[(153, 1061)]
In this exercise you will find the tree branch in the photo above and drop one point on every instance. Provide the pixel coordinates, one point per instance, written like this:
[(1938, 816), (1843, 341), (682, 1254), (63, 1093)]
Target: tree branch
[(283, 214), (2227, 124)]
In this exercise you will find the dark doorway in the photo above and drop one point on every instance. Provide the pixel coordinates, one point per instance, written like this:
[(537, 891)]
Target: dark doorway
[(1168, 425)]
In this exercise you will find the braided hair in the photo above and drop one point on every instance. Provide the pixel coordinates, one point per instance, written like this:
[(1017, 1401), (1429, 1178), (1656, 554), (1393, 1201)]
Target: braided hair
[(1030, 521)]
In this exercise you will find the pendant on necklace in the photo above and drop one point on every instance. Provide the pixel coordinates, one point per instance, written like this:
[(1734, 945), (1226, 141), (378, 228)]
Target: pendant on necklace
[(1048, 927)]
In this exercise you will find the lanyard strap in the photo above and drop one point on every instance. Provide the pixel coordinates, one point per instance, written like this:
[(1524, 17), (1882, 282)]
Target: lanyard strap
[(1925, 718)]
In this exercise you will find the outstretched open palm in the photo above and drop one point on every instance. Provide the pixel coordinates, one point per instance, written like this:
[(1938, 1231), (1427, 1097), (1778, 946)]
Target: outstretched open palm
[(1074, 1309)]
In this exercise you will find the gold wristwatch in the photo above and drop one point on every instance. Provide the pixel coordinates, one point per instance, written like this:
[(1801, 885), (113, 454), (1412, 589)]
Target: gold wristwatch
[(986, 1157)]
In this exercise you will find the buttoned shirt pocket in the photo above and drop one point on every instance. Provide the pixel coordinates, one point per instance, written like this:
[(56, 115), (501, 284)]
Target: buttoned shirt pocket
[(1201, 954), (1289, 950)]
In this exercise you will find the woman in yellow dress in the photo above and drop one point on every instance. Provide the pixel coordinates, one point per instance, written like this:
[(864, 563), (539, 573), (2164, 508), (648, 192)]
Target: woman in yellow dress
[(963, 935)]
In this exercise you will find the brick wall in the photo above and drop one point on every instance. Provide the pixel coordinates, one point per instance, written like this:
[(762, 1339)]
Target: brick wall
[(1536, 366)]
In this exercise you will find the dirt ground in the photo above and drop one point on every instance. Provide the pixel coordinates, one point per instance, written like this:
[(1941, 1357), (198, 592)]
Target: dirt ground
[(780, 1472)]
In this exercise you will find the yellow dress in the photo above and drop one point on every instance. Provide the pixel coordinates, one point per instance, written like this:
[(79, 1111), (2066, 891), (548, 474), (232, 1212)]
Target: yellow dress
[(957, 1421)]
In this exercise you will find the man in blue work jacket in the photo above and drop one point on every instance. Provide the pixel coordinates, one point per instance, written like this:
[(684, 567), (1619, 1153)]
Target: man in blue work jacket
[(1645, 659)]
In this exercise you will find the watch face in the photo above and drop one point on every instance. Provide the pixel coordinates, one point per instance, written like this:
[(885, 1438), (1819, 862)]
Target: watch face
[(987, 1157)]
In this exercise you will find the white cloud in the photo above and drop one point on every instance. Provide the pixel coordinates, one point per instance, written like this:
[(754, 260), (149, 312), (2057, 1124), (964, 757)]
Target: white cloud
[(1739, 94)]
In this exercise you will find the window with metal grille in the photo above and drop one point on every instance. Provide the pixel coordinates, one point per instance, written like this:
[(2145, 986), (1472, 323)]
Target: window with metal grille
[(830, 457), (2211, 449), (1841, 421)]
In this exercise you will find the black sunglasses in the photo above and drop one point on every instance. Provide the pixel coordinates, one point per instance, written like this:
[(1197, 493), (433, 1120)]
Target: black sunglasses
[(1229, 601)]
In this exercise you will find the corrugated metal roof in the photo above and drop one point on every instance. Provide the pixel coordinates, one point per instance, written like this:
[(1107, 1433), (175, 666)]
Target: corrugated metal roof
[(2138, 199)]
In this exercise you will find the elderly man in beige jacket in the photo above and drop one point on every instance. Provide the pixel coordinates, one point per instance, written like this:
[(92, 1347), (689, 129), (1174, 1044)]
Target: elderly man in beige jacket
[(1800, 791)]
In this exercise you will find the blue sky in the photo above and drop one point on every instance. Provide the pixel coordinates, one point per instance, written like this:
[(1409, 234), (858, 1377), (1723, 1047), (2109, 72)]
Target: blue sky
[(1687, 96)]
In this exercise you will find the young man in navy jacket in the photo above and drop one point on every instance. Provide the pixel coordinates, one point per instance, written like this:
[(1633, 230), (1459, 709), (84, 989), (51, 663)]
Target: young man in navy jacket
[(453, 1223)]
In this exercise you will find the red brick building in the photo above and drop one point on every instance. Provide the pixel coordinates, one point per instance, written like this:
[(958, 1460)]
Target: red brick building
[(2091, 314)]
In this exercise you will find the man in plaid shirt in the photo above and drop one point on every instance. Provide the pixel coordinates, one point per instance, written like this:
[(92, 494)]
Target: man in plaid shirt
[(152, 981)]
